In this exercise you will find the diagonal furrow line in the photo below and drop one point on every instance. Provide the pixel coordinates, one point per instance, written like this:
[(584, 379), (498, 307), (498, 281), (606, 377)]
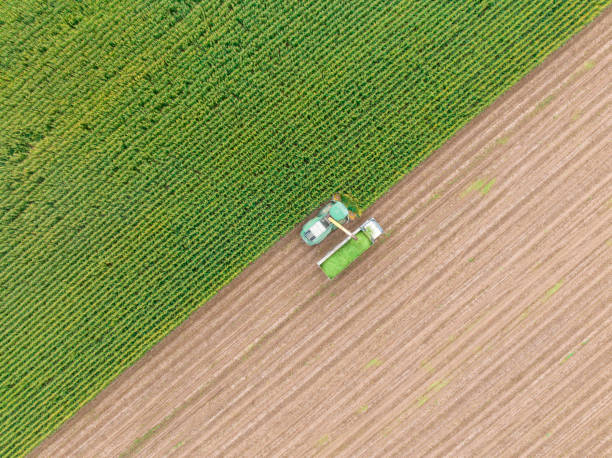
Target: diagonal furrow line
[(590, 402), (601, 444)]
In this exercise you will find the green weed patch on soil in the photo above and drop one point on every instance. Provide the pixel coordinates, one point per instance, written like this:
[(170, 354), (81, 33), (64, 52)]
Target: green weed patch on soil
[(373, 363), (553, 290), (341, 259)]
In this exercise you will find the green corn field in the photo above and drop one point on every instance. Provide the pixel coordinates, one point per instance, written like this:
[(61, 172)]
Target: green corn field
[(150, 150)]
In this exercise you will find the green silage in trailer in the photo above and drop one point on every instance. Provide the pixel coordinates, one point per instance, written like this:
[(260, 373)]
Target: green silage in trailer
[(142, 144), (342, 258)]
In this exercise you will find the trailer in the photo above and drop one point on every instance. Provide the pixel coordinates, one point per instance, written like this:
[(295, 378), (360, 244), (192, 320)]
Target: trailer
[(343, 254)]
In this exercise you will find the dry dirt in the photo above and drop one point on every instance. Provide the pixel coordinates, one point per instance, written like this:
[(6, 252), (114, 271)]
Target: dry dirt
[(480, 325)]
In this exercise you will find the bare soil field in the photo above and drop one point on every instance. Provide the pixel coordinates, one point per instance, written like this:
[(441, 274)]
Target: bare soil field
[(480, 325)]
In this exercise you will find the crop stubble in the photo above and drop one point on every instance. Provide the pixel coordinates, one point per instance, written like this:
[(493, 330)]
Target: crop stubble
[(480, 325)]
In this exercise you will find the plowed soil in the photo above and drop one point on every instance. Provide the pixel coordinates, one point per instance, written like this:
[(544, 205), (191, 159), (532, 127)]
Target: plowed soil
[(481, 324)]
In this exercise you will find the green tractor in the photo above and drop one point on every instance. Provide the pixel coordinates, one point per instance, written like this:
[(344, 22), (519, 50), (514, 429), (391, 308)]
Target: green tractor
[(333, 215)]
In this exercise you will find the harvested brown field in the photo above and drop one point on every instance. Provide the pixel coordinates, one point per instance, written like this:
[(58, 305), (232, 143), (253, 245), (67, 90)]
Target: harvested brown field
[(480, 325)]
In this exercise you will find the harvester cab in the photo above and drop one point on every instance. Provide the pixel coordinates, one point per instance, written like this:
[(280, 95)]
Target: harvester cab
[(331, 216)]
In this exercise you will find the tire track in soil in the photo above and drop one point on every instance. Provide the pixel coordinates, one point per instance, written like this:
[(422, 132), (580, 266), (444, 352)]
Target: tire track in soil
[(206, 363)]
